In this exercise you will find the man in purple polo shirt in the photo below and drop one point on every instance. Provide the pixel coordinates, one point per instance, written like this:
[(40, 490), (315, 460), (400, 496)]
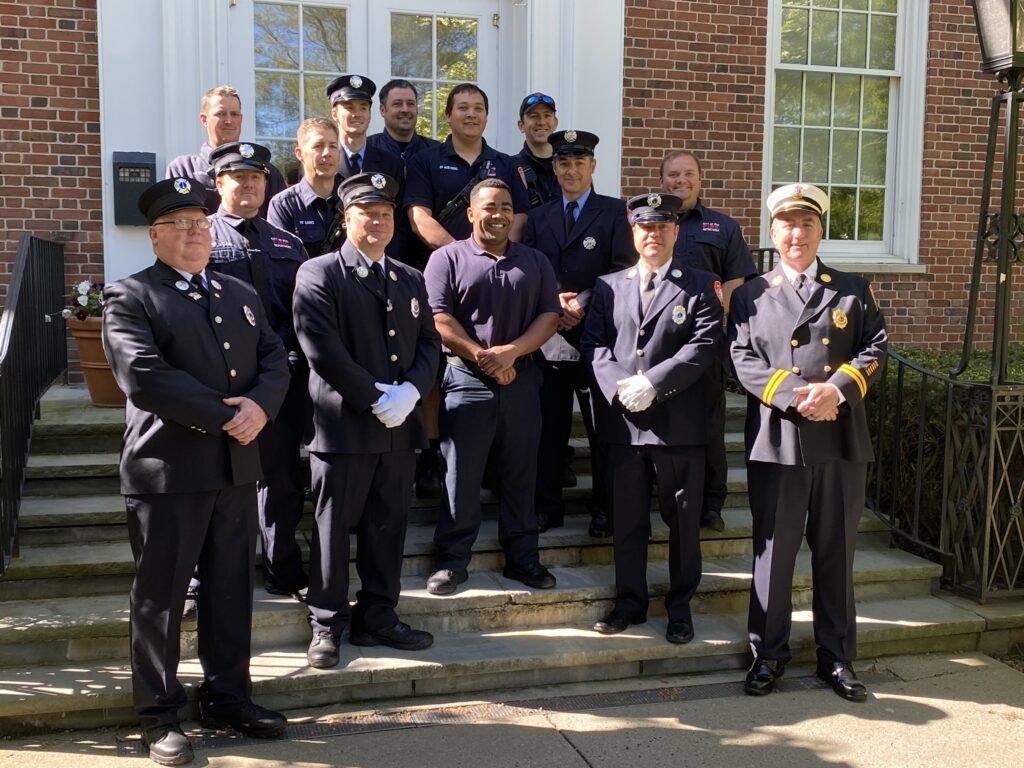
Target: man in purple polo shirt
[(495, 302)]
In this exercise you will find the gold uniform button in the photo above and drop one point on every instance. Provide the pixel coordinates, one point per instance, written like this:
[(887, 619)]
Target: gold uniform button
[(233, 373), (218, 319), (794, 342), (227, 345), (391, 332), (639, 353), (796, 370), (394, 358), (825, 341), (643, 332), (828, 369)]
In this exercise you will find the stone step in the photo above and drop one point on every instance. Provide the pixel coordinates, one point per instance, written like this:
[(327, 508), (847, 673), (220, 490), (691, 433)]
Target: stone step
[(96, 627), (101, 567), (98, 693)]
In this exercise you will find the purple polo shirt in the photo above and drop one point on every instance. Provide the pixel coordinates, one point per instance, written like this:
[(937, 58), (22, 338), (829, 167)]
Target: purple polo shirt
[(494, 300)]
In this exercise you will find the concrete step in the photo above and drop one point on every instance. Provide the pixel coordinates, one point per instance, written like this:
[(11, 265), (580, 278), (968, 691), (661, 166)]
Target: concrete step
[(85, 628), (94, 694), (106, 566)]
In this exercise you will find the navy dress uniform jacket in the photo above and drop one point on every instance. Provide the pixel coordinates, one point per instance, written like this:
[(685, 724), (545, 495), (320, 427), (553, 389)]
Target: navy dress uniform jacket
[(340, 320), (672, 345), (778, 343), (176, 358), (600, 242)]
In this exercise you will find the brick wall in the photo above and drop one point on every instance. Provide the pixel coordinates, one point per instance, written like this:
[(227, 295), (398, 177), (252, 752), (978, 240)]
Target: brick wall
[(50, 132), (694, 78)]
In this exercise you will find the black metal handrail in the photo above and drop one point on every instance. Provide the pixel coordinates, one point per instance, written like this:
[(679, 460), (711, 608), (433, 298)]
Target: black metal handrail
[(764, 258), (33, 353), (948, 476)]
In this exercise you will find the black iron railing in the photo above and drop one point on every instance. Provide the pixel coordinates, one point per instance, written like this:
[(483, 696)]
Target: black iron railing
[(948, 476), (33, 352), (764, 258)]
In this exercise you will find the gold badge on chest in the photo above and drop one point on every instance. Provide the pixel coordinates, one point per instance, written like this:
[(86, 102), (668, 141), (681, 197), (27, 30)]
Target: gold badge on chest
[(839, 319)]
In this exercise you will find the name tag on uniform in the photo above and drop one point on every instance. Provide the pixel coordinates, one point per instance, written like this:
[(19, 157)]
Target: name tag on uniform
[(448, 167), (710, 226), (280, 242)]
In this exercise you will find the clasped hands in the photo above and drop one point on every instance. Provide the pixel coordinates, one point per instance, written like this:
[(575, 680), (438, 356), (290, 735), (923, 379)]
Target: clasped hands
[(498, 363), (572, 312), (394, 406), (817, 402), (636, 393)]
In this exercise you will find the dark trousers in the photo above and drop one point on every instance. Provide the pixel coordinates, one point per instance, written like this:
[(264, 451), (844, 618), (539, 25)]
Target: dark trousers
[(280, 492), (679, 474), (560, 381), (830, 499), (476, 414), (367, 494), (716, 469), (170, 534)]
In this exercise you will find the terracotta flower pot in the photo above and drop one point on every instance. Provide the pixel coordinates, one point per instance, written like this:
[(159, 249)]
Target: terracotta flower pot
[(103, 389)]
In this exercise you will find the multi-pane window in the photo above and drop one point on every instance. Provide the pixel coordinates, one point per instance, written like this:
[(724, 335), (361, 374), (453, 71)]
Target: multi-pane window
[(835, 103), (299, 48), (434, 53)]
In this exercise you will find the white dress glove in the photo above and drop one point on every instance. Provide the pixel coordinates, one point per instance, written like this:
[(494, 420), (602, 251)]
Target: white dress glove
[(636, 393), (395, 405)]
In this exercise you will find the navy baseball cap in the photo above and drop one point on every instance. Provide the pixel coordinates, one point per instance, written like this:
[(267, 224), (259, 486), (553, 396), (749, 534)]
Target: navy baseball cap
[(535, 100)]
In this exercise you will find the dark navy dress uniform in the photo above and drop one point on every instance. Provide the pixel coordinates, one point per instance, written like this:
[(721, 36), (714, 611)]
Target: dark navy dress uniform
[(357, 332), (200, 168), (437, 175), (190, 489), (302, 212), (672, 344), (799, 470), (712, 241), (600, 242), (495, 301)]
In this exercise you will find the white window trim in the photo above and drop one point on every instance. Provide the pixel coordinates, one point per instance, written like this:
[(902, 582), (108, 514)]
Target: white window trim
[(906, 137)]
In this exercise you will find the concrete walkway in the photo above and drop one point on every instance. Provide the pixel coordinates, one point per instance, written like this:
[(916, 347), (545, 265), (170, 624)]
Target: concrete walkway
[(961, 710)]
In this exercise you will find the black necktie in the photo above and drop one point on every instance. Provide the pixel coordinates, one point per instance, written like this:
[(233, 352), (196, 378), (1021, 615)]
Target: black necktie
[(570, 217), (647, 294), (355, 164), (801, 287), (378, 274), (257, 268), (199, 285)]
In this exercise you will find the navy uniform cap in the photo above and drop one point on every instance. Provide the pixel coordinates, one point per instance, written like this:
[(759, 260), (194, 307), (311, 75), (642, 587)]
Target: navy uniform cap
[(172, 195), (350, 88), (368, 188), (572, 143), (654, 207), (240, 155)]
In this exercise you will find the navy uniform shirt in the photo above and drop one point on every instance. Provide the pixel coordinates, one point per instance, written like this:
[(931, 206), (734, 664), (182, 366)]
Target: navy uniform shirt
[(270, 267), (437, 175), (198, 167), (385, 142), (539, 176), (712, 241), (305, 214), (494, 300)]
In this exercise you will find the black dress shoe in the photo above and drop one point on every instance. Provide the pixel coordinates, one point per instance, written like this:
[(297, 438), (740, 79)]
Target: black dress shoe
[(569, 479), (712, 519), (547, 522), (323, 650), (298, 593), (600, 528), (842, 678), (445, 582), (428, 474), (248, 718), (533, 575), (679, 632), (614, 623), (762, 676), (399, 635), (167, 745)]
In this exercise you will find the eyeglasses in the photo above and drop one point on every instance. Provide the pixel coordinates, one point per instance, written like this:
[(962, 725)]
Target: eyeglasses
[(186, 224), (542, 98)]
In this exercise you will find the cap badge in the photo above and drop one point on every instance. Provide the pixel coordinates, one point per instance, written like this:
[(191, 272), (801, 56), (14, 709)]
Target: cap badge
[(570, 136), (826, 277), (414, 307), (362, 271), (181, 285), (654, 200), (246, 151), (215, 284), (589, 243), (393, 276), (777, 280), (839, 318), (182, 187), (355, 81), (249, 315), (677, 273), (378, 182), (678, 314), (798, 191)]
